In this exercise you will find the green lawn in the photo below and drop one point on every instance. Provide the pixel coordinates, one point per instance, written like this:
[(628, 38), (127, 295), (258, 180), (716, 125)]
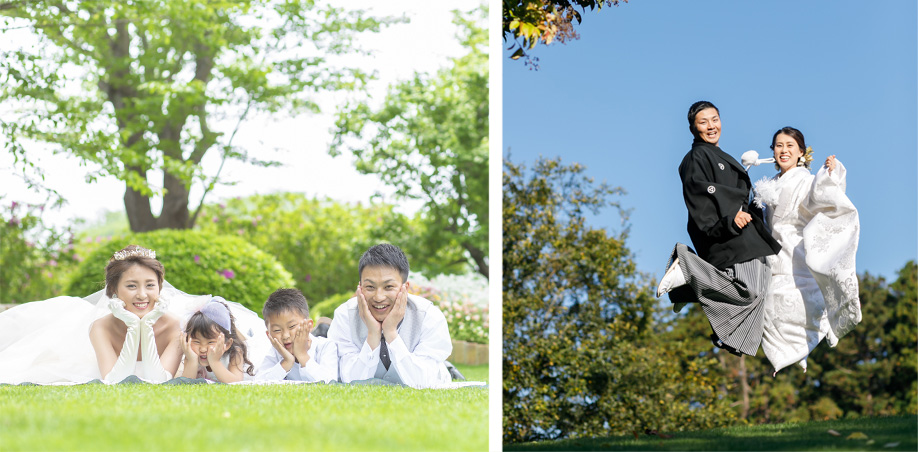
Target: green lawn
[(875, 433), (233, 417)]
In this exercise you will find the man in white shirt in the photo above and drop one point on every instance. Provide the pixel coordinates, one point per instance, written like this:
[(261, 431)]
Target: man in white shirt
[(386, 333), (298, 354)]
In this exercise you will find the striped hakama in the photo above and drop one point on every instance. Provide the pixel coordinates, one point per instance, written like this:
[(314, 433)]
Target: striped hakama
[(733, 299)]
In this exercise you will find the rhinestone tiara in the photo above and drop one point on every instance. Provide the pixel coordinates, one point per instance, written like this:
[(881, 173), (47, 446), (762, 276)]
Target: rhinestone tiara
[(122, 255)]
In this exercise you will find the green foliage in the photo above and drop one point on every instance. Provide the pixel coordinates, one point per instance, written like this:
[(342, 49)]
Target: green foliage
[(241, 417), (429, 140), (530, 22), (873, 370), (326, 307), (196, 262), (580, 353), (318, 241), (148, 83), (34, 258), (467, 317)]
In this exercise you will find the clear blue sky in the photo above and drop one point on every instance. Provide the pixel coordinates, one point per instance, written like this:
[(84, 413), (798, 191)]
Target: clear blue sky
[(843, 72)]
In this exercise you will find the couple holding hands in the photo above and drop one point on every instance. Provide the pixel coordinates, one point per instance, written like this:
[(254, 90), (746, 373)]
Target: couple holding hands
[(140, 325), (776, 269)]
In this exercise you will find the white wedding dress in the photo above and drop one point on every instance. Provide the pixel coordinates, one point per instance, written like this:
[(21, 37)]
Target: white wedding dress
[(814, 287), (47, 342)]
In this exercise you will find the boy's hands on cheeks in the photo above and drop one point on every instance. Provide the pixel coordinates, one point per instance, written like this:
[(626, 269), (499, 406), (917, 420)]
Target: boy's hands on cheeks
[(302, 341), (390, 324), (287, 357), (215, 352), (374, 327)]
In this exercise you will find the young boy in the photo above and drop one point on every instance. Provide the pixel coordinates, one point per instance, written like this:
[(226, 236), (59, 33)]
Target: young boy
[(383, 332), (297, 354)]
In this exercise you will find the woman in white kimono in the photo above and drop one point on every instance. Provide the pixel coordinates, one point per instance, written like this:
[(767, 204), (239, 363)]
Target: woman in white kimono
[(131, 327), (814, 288)]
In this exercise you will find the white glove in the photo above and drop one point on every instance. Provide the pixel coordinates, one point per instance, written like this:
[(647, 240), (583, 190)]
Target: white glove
[(152, 367), (127, 360)]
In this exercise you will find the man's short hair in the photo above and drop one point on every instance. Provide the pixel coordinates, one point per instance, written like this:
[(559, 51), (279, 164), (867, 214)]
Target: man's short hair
[(285, 300), (384, 255), (695, 109)]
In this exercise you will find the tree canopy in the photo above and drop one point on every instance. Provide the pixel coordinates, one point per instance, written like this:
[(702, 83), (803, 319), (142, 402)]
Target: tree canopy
[(429, 140), (529, 22), (138, 88), (580, 352)]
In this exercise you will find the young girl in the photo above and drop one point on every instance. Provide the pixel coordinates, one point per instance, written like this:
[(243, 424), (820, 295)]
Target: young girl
[(213, 347)]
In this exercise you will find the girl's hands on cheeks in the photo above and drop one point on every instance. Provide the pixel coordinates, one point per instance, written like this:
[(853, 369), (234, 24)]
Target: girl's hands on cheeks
[(191, 356), (215, 352)]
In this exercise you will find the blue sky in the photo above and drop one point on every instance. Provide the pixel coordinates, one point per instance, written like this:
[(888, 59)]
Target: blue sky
[(842, 72)]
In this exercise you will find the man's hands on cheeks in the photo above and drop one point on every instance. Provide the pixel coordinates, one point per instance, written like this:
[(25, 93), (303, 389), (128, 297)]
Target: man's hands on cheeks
[(374, 327), (390, 324), (302, 341), (742, 219)]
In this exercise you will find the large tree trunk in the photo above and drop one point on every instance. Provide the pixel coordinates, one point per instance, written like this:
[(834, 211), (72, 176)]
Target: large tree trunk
[(175, 204), (479, 257), (137, 207)]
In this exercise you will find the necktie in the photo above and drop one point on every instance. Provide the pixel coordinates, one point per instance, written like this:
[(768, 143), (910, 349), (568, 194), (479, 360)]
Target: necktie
[(384, 352)]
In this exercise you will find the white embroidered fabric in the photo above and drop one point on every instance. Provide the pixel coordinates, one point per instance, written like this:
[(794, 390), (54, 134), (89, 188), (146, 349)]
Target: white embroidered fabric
[(814, 288), (47, 342)]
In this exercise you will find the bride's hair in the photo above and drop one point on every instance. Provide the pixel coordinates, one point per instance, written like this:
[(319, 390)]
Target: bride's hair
[(199, 323), (807, 152), (126, 258)]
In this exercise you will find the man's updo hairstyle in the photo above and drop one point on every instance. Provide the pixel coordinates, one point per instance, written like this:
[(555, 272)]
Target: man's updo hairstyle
[(128, 257)]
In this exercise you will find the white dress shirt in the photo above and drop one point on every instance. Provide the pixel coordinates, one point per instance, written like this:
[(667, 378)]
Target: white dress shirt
[(322, 364), (418, 354)]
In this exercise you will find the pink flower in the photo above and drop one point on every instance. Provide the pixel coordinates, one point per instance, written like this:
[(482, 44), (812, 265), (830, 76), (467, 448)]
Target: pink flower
[(240, 231), (197, 259), (215, 219), (307, 278), (52, 263), (14, 205), (228, 274)]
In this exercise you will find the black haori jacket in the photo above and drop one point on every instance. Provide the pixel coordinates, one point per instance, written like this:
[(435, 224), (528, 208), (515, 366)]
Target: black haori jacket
[(715, 188)]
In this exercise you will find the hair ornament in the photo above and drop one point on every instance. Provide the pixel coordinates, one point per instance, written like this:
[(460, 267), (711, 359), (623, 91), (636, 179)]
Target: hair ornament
[(138, 252), (218, 312), (806, 158)]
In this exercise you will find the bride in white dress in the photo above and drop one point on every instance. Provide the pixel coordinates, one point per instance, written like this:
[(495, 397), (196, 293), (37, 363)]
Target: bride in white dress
[(132, 327), (814, 288)]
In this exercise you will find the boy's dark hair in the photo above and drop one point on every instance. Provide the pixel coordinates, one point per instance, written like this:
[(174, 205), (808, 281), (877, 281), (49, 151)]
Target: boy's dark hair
[(384, 255), (285, 300)]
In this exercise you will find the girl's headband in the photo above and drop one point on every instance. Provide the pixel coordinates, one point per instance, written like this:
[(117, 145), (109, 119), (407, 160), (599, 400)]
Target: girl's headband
[(218, 312)]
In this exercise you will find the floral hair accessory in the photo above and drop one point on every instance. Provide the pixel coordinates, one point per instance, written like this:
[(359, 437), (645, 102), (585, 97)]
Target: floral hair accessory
[(139, 252), (806, 158), (218, 312)]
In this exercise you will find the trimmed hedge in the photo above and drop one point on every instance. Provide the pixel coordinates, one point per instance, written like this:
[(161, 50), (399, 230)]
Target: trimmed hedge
[(196, 263), (326, 307)]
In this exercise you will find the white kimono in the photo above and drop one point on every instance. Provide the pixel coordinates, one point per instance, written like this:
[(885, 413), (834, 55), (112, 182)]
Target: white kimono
[(814, 288)]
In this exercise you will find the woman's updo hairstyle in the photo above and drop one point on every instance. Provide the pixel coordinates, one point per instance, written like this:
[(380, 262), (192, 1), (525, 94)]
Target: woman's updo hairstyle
[(807, 153), (128, 257)]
